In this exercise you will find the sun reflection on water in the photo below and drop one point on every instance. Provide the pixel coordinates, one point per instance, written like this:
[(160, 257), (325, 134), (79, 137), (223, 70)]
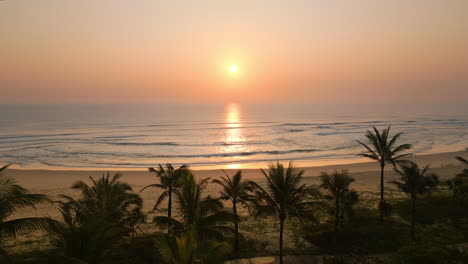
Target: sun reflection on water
[(233, 139)]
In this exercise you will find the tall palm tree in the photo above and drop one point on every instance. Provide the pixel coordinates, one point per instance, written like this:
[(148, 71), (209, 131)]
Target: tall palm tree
[(187, 249), (169, 181), (105, 213), (284, 196), (12, 198), (459, 184), (384, 149), (237, 191), (197, 211), (337, 184), (414, 181)]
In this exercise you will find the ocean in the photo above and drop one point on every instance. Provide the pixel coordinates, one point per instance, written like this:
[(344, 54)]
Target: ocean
[(212, 136)]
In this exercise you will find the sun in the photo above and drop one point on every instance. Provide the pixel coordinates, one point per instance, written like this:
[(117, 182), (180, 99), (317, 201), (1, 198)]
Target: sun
[(232, 68)]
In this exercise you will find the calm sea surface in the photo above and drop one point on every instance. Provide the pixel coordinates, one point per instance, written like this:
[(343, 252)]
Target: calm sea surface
[(213, 136)]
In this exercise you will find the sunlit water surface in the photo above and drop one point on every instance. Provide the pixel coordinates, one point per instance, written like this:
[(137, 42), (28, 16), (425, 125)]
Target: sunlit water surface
[(211, 136)]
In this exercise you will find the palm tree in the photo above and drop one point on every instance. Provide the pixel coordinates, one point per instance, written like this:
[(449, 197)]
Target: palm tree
[(414, 181), (187, 249), (106, 212), (169, 179), (459, 184), (107, 198), (337, 184), (12, 198), (464, 173), (84, 240), (237, 191), (383, 149), (284, 196), (203, 214)]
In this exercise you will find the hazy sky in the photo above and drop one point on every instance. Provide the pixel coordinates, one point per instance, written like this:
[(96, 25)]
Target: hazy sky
[(119, 51)]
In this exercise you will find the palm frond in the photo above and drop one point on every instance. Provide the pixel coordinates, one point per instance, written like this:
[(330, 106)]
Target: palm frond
[(14, 227)]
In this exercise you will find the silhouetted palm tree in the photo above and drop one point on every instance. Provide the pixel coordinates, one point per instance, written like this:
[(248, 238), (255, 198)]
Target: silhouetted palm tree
[(284, 196), (12, 198), (187, 249), (105, 213), (384, 150), (337, 184), (459, 184), (85, 240), (196, 211), (464, 173), (108, 198), (414, 181), (169, 181), (237, 191)]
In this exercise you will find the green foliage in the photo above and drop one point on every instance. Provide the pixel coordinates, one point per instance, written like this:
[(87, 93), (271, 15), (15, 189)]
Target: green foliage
[(433, 209), (415, 181), (100, 226), (106, 212), (384, 150), (196, 211), (237, 191), (187, 249), (355, 257), (234, 188), (284, 196), (459, 184), (137, 250), (337, 186), (12, 198), (429, 253), (169, 181), (365, 232), (385, 208), (107, 198)]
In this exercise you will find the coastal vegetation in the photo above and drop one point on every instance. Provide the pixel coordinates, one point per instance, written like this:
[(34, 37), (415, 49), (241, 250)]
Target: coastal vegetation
[(343, 198), (238, 191), (284, 197), (384, 149), (12, 198), (104, 222), (415, 181)]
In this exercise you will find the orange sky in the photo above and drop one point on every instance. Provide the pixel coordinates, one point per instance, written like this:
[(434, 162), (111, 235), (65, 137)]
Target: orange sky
[(120, 51)]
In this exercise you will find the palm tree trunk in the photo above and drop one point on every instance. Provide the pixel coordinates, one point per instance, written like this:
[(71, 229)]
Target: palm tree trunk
[(413, 220), (337, 214), (236, 227), (169, 205), (169, 208), (382, 166), (281, 240)]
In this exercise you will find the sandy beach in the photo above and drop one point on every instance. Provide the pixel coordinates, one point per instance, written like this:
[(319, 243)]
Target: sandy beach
[(55, 182)]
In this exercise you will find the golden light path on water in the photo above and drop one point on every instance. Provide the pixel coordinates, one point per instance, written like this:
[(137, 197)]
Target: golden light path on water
[(233, 139)]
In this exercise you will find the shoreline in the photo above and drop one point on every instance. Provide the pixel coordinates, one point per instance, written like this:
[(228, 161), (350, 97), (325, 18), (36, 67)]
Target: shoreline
[(44, 179)]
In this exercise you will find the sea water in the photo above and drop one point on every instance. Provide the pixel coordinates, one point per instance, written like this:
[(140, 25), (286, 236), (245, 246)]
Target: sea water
[(212, 136)]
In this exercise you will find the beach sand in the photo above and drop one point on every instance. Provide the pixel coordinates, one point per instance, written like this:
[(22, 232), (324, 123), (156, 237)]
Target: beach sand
[(55, 182)]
